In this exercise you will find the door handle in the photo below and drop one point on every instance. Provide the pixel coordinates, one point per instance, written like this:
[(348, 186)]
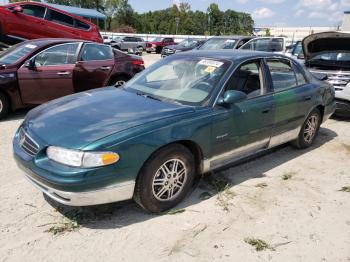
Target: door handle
[(307, 98), (63, 73), (105, 68)]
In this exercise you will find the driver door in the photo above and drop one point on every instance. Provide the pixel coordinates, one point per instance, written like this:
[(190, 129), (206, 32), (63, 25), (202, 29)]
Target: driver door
[(49, 74), (243, 128)]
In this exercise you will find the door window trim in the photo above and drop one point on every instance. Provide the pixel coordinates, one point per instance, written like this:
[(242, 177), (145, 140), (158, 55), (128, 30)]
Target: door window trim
[(76, 54), (81, 50)]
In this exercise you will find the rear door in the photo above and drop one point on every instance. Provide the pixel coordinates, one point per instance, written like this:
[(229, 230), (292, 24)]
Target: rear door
[(52, 75), (96, 62), (292, 96), (61, 25), (245, 127), (29, 24)]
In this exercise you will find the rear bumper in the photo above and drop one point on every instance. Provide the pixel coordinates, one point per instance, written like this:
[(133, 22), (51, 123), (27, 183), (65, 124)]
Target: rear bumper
[(342, 107)]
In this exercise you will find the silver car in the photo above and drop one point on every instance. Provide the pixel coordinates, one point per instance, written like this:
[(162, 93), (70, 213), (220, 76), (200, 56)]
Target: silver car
[(129, 42)]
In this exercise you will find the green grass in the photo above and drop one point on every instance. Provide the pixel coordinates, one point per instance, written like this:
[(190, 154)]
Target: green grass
[(258, 244), (66, 226)]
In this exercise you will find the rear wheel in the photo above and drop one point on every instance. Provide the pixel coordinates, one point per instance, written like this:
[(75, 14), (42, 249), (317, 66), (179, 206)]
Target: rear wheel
[(309, 130), (165, 179), (158, 49), (4, 106)]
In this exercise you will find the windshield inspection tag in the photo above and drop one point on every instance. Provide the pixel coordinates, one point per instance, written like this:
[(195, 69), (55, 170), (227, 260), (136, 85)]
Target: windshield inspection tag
[(210, 63)]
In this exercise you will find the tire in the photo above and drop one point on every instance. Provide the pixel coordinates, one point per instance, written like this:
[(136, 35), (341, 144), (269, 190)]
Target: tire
[(4, 106), (148, 52), (155, 191), (159, 50), (119, 81), (309, 130)]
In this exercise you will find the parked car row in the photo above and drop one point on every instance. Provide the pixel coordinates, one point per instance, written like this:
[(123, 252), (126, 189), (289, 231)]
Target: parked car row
[(34, 72)]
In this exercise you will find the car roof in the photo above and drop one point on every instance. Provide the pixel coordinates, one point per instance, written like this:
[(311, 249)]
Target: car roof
[(232, 37), (231, 55)]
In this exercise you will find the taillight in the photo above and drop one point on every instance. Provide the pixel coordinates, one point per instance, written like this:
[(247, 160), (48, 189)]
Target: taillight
[(138, 62)]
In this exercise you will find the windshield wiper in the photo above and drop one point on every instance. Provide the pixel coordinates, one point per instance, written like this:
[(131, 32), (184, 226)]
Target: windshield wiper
[(148, 96)]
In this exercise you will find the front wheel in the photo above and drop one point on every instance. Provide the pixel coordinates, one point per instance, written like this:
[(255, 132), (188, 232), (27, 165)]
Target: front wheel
[(4, 106), (309, 130), (165, 179)]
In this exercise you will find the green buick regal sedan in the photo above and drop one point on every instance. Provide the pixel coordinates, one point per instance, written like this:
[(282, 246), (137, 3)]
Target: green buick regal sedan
[(182, 117)]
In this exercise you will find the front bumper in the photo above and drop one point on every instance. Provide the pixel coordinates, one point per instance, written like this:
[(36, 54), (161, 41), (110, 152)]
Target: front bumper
[(150, 49), (115, 193)]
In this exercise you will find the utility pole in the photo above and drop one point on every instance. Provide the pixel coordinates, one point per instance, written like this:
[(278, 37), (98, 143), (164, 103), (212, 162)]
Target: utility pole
[(177, 21)]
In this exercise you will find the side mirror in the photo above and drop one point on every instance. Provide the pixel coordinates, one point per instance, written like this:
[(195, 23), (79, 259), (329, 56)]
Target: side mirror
[(232, 97), (301, 56), (30, 64), (17, 9)]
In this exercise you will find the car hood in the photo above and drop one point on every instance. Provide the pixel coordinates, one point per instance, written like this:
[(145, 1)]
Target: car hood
[(179, 47), (80, 119), (316, 44)]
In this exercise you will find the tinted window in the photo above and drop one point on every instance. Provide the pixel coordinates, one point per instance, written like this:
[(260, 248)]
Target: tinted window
[(57, 55), (128, 39), (282, 74), (34, 10), (60, 18), (219, 43), (247, 79), (266, 45), (81, 25), (93, 52)]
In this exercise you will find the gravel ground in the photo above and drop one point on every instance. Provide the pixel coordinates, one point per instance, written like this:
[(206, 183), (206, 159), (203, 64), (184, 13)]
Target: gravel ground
[(287, 205)]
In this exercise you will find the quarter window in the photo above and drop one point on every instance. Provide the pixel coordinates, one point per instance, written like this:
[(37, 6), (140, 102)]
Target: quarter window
[(282, 74), (300, 77), (60, 18), (248, 79), (34, 10), (81, 25), (93, 52), (57, 55)]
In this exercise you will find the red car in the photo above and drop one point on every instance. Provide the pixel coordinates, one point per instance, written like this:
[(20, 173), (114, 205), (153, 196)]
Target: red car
[(31, 20), (34, 72), (157, 44)]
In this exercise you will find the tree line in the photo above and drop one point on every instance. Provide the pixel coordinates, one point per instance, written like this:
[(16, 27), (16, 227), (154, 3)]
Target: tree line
[(180, 19)]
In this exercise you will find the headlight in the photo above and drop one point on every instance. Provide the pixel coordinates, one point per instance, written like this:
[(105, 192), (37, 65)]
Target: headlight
[(78, 158)]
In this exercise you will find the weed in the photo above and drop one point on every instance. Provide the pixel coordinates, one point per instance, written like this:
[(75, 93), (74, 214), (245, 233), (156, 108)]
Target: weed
[(288, 175), (261, 185), (345, 189), (66, 226), (259, 244), (174, 211)]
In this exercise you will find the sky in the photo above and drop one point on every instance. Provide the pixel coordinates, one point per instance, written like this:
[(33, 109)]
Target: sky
[(267, 12)]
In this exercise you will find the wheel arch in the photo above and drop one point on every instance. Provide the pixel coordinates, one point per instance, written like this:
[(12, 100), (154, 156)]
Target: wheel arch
[(9, 99), (116, 75), (321, 108)]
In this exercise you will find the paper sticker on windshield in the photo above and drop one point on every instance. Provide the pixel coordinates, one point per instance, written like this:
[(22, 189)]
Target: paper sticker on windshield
[(210, 63), (210, 69), (30, 46)]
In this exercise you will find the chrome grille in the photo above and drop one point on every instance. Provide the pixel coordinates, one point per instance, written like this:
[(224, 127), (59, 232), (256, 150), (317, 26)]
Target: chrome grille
[(27, 143), (168, 51), (338, 79)]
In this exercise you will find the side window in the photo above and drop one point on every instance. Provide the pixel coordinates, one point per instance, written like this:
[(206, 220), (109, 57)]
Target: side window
[(81, 25), (60, 18), (93, 52), (265, 45), (34, 10), (300, 77), (57, 55), (248, 79), (282, 74)]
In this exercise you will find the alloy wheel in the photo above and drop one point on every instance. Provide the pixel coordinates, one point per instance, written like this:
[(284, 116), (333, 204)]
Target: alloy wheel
[(169, 180), (119, 83), (310, 128)]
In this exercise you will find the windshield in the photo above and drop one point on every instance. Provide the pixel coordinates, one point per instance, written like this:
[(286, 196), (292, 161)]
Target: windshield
[(188, 81), (15, 53), (333, 57), (188, 43), (265, 45), (219, 43), (157, 39)]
